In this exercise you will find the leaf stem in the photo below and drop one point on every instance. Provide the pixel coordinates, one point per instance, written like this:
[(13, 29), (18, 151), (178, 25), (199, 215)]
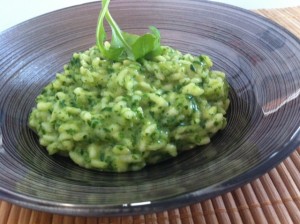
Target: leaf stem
[(117, 30), (100, 28)]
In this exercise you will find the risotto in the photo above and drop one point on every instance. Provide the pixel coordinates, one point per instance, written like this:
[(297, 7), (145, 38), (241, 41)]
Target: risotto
[(121, 116)]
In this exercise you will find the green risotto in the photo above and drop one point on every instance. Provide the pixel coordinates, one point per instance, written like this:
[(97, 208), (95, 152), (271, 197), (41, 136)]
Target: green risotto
[(121, 116)]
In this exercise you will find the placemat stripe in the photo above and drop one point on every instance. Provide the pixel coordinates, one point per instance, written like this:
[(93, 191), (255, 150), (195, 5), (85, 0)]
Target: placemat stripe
[(285, 196), (220, 209), (162, 217), (197, 212), (174, 216), (209, 212), (80, 220), (101, 220), (24, 216), (5, 210), (149, 218), (288, 182), (293, 171), (243, 207), (231, 208), (255, 207), (186, 215), (14, 214), (275, 199), (296, 160), (57, 219), (268, 209)]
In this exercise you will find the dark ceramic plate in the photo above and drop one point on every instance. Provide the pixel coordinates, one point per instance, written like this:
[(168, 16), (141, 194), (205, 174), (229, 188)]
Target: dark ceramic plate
[(261, 59)]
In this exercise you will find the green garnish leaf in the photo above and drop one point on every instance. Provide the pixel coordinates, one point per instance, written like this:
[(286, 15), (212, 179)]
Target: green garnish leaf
[(146, 44), (125, 45)]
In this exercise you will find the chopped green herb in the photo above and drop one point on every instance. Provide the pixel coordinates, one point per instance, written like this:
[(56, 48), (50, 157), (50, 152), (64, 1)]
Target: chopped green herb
[(192, 67), (75, 62)]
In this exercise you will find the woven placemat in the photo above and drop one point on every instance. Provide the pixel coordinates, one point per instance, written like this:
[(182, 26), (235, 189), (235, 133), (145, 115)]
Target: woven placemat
[(273, 198)]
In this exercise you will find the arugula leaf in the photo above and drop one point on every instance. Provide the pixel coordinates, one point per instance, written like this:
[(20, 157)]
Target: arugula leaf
[(146, 43), (130, 38), (125, 45)]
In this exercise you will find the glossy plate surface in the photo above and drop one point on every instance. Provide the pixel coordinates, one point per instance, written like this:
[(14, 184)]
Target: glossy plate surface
[(261, 59)]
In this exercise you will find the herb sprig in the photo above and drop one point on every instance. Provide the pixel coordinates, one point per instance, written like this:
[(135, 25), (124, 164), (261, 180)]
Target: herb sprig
[(125, 45)]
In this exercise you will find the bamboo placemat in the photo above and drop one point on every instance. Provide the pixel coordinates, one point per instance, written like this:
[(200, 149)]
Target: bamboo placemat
[(273, 198)]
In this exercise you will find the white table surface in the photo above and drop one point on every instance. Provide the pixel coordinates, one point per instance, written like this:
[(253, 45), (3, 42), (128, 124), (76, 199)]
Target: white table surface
[(13, 12)]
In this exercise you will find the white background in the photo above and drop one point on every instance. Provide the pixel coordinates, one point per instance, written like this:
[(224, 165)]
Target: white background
[(13, 12)]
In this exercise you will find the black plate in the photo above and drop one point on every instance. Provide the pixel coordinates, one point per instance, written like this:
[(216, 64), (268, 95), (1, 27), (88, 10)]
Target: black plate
[(261, 59)]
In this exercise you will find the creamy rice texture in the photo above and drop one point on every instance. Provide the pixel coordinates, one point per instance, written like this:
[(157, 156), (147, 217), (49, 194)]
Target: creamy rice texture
[(121, 116)]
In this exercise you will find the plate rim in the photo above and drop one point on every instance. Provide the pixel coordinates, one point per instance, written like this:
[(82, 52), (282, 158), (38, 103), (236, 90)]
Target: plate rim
[(155, 205)]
